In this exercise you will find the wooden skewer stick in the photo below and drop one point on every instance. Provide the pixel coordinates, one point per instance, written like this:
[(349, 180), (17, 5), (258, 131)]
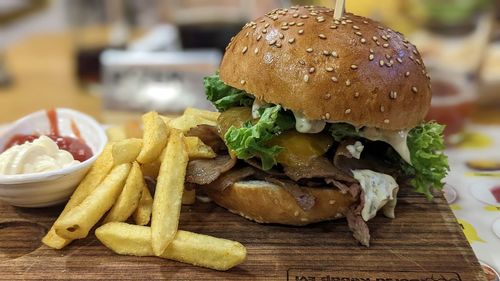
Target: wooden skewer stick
[(339, 9)]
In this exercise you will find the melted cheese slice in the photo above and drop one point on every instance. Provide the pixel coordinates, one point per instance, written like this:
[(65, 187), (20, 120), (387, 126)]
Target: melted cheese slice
[(380, 191)]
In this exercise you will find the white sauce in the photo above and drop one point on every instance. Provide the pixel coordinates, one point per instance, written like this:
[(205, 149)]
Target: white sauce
[(304, 125), (380, 191), (355, 149), (396, 139), (41, 155), (257, 104)]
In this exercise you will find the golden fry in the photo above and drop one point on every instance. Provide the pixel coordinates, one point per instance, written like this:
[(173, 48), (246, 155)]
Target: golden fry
[(168, 194), (154, 137), (126, 151), (197, 149), (187, 247), (142, 213), (116, 133), (128, 200), (94, 177), (209, 115), (78, 221), (193, 117)]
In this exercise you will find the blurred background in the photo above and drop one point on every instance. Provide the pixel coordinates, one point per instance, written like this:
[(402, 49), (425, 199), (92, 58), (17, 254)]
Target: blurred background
[(117, 58)]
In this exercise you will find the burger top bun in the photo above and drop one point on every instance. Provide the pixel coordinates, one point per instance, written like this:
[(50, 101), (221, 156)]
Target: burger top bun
[(350, 70)]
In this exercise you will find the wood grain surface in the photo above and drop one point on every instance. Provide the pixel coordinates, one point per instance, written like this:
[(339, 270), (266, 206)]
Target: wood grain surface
[(423, 243)]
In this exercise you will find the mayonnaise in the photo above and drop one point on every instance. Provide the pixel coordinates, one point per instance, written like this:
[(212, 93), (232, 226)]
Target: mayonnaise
[(41, 155), (396, 139), (380, 191), (304, 125), (355, 149)]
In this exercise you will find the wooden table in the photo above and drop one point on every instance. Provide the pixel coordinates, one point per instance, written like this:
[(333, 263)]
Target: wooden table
[(424, 241)]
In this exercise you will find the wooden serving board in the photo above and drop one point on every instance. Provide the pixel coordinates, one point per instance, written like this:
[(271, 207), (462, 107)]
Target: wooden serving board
[(424, 243)]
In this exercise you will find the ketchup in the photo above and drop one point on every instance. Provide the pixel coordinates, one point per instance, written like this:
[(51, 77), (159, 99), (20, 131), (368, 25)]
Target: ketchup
[(75, 146)]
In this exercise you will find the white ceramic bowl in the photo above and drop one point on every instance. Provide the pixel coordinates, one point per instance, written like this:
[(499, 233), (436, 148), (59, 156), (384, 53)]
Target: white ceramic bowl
[(54, 187)]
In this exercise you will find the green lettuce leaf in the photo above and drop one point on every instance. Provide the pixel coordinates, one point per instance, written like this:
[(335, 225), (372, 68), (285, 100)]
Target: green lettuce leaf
[(250, 140), (429, 163), (224, 96)]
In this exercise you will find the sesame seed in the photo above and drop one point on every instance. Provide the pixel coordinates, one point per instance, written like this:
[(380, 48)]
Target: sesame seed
[(414, 89), (363, 40), (378, 43), (313, 13), (328, 96), (295, 15), (326, 53), (291, 40), (347, 111), (285, 23), (278, 45), (244, 49), (418, 61), (343, 22), (375, 38), (371, 57), (306, 78), (371, 51), (292, 23), (348, 21), (322, 36), (242, 82), (386, 121), (348, 82), (309, 50), (262, 20), (353, 66), (385, 45), (281, 36), (393, 95), (266, 25), (259, 36), (311, 70), (399, 60), (355, 27), (415, 52), (304, 16), (384, 37), (333, 26), (337, 22), (256, 51), (334, 54), (321, 19), (300, 24), (382, 108), (407, 74), (365, 22), (334, 79), (284, 27), (356, 95), (264, 31), (381, 63), (301, 31), (329, 69), (327, 115), (411, 57), (272, 42), (358, 33)]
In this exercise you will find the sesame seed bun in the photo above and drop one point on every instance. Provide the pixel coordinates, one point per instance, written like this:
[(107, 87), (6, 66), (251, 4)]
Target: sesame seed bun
[(265, 202), (351, 70)]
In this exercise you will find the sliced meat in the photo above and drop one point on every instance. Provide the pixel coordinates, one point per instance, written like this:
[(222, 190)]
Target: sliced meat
[(357, 225), (229, 178), (304, 199), (209, 136), (254, 162), (205, 171), (319, 167), (354, 188), (371, 159)]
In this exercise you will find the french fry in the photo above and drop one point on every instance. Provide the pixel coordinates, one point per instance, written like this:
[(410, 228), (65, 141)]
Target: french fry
[(193, 117), (126, 151), (197, 149), (128, 200), (168, 194), (78, 221), (187, 247), (94, 177), (154, 137), (209, 115), (142, 214), (116, 133), (188, 196)]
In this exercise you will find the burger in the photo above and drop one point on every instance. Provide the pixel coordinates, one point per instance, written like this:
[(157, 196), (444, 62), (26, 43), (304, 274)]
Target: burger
[(320, 119)]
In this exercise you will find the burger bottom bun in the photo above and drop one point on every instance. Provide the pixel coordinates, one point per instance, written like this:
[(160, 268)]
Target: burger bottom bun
[(265, 202)]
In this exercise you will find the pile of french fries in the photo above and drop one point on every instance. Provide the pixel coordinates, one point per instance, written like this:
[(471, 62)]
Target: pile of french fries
[(114, 191)]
